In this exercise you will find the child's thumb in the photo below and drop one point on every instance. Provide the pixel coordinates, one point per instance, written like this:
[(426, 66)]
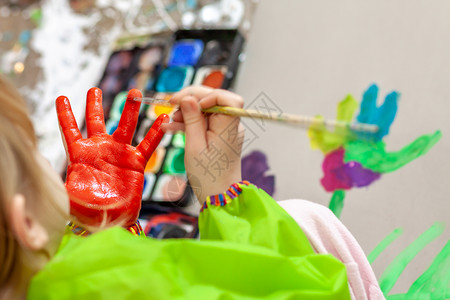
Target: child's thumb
[(195, 125)]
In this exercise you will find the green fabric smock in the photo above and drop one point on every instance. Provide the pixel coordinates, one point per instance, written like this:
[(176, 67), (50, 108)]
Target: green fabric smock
[(249, 248)]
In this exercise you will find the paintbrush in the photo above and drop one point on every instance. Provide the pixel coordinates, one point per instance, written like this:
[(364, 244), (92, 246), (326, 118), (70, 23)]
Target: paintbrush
[(301, 121)]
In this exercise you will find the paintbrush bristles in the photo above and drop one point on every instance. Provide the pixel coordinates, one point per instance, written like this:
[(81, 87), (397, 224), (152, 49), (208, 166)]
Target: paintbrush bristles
[(302, 121)]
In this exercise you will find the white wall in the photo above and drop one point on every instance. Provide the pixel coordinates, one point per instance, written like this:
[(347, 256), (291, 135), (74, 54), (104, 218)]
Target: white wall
[(308, 55)]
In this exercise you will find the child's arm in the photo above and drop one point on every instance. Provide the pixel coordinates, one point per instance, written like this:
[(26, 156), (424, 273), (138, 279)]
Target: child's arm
[(213, 142), (233, 211)]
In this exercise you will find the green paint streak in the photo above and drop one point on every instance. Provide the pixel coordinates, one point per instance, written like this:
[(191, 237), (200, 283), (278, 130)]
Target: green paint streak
[(373, 156), (397, 297), (435, 281), (396, 267), (337, 202), (328, 141), (384, 244)]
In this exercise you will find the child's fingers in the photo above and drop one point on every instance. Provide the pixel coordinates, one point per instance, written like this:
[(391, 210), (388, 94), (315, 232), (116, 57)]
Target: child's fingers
[(173, 127), (221, 98), (67, 122), (153, 137), (128, 121), (195, 91), (195, 125), (177, 116), (95, 122), (220, 123)]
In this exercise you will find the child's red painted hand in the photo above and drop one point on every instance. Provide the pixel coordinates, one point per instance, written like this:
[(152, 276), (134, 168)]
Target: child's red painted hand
[(105, 175)]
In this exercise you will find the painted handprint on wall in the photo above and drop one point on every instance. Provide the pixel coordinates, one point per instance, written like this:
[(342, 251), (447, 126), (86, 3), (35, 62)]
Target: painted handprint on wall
[(356, 159)]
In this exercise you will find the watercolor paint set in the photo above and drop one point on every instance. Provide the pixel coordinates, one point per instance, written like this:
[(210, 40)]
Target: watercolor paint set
[(201, 57), (165, 65), (131, 68), (168, 222)]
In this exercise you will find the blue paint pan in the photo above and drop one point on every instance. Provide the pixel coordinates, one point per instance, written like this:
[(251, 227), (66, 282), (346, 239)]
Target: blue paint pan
[(174, 79), (185, 53)]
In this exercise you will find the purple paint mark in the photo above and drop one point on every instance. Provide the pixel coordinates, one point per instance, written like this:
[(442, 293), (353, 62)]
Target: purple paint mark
[(343, 176), (254, 167), (360, 176)]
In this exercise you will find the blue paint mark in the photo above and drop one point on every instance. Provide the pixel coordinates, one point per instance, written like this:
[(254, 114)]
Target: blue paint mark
[(368, 105), (386, 115), (382, 116)]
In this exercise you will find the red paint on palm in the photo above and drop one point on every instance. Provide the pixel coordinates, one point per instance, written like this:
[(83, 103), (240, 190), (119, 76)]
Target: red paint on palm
[(105, 176)]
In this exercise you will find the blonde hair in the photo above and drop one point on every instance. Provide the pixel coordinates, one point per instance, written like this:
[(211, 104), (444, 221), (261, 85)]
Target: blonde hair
[(20, 173)]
